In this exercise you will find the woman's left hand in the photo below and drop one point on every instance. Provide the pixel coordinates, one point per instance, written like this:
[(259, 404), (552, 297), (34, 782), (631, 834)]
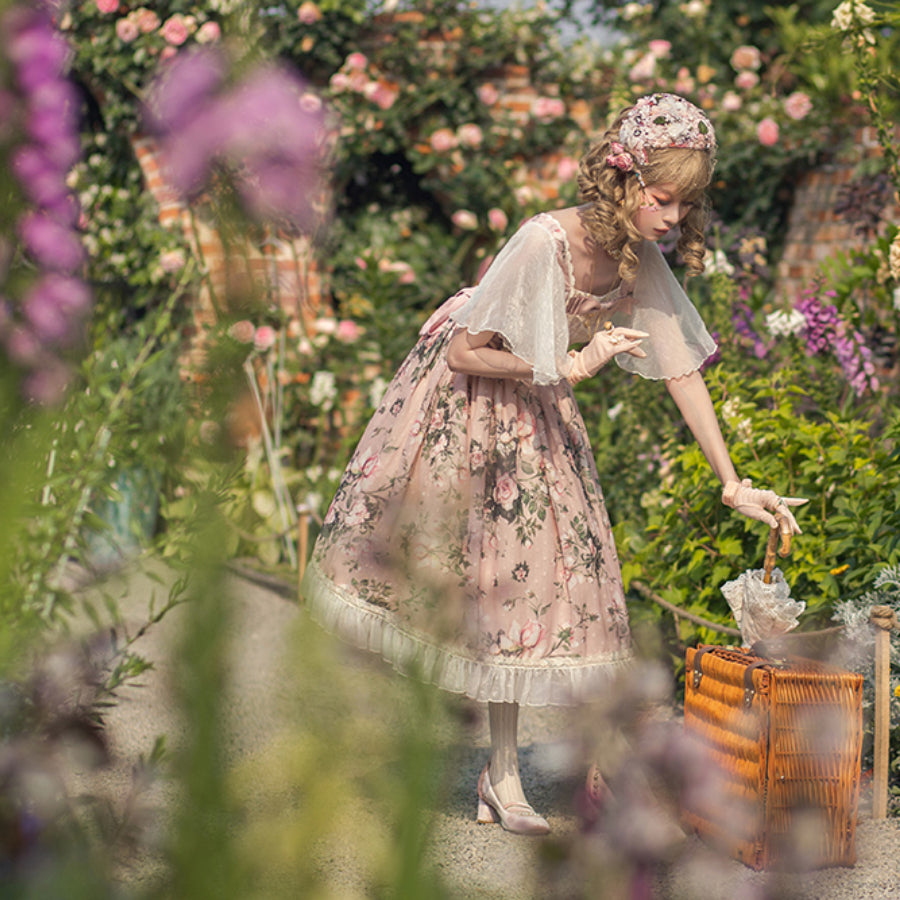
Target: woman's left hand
[(761, 504)]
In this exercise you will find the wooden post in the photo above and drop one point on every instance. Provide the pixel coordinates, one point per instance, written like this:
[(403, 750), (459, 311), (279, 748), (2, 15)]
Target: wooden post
[(884, 620), (302, 544)]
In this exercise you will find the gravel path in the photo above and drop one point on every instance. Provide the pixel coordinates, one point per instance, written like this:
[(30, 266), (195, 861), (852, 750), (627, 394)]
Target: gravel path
[(473, 861)]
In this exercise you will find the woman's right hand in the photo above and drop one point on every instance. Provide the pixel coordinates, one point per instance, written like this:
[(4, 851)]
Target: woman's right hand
[(603, 346)]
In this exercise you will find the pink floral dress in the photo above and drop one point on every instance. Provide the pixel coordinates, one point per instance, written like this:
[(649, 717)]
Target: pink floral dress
[(468, 541)]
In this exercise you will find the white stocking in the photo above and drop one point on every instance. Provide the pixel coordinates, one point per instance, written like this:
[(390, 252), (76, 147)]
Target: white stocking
[(504, 771)]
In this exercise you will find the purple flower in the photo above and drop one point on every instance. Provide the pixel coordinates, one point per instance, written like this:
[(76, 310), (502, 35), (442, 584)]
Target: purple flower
[(187, 87), (742, 322), (821, 322), (52, 244), (53, 304), (39, 176), (259, 131), (33, 45)]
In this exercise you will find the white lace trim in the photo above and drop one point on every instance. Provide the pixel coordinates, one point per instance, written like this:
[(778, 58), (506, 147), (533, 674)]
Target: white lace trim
[(560, 682)]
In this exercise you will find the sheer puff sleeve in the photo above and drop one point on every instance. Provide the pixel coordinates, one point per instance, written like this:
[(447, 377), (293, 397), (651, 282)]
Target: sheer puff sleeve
[(522, 298), (679, 342)]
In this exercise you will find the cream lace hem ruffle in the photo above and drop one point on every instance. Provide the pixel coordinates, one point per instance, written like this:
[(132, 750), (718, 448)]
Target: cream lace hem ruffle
[(562, 682)]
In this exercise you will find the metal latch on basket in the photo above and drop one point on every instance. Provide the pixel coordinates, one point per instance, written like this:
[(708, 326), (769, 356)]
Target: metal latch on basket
[(698, 672), (749, 690)]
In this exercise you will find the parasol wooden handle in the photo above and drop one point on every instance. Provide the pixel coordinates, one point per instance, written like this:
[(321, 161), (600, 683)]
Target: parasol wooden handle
[(780, 531)]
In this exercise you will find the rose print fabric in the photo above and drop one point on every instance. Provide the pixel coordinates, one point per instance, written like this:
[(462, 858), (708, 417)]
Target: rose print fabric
[(468, 541)]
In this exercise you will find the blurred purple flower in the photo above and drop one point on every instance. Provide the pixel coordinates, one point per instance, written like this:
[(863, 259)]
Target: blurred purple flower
[(258, 130), (52, 244), (38, 52), (52, 303), (188, 84), (39, 176), (47, 384)]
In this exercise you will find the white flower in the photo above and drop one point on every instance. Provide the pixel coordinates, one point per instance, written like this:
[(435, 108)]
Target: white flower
[(717, 263), (781, 323), (850, 13), (614, 411), (632, 10), (323, 390), (694, 9), (894, 257), (897, 299)]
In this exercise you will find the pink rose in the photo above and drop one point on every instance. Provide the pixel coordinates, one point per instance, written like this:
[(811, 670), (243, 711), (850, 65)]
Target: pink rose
[(347, 331), (731, 102), (746, 57), (767, 132), (469, 135), (167, 52), (684, 83), (127, 30), (798, 105), (310, 102), (147, 20), (506, 491), (339, 82), (172, 260), (442, 140), (498, 219), (208, 33), (309, 13), (531, 634), (107, 6), (548, 108), (361, 263), (747, 80), (174, 30), (356, 62), (566, 168), (264, 338), (644, 69), (660, 48), (488, 94), (465, 219), (381, 94), (242, 331)]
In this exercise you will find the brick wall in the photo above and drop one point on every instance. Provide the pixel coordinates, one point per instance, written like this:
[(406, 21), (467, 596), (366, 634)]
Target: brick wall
[(284, 268), (815, 233)]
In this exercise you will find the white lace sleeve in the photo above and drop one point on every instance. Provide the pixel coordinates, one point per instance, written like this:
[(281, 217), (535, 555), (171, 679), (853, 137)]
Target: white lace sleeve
[(679, 342), (522, 297)]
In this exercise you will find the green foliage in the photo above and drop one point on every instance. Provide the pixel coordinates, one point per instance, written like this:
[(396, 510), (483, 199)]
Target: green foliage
[(690, 544)]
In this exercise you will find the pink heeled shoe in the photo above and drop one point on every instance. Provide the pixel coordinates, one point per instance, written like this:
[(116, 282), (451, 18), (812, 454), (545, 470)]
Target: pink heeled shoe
[(517, 817)]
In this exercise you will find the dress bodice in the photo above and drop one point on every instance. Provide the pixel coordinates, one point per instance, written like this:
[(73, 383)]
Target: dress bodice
[(585, 312)]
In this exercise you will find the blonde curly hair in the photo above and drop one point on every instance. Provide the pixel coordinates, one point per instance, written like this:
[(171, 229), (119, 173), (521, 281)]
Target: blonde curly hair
[(614, 196)]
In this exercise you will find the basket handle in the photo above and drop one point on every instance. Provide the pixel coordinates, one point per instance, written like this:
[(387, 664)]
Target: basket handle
[(783, 531)]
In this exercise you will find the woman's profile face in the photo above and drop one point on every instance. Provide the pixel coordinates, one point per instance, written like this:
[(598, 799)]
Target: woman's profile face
[(662, 208)]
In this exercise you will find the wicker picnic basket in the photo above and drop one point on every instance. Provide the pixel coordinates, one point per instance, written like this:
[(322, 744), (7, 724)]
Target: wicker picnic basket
[(784, 738)]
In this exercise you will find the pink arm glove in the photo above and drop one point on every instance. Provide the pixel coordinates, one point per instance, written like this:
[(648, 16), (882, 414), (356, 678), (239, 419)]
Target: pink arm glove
[(760, 504), (603, 346)]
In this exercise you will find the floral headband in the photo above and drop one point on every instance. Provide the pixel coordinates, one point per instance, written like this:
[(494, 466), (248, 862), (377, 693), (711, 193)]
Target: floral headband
[(656, 121)]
